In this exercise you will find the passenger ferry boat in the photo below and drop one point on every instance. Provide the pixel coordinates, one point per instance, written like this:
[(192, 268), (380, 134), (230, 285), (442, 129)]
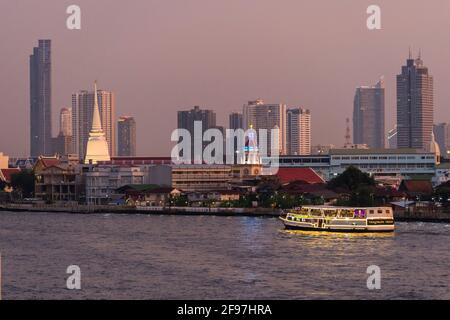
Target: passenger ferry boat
[(340, 219)]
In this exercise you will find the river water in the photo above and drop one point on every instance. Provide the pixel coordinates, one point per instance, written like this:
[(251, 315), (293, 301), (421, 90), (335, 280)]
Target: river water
[(200, 257)]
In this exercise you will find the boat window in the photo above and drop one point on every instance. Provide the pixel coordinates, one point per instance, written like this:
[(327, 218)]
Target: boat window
[(380, 211), (330, 213), (371, 211), (346, 213)]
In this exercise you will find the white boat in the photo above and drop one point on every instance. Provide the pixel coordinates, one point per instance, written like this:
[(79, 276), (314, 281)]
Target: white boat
[(340, 219)]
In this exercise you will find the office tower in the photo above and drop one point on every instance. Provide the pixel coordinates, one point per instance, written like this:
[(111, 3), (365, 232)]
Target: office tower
[(65, 121), (266, 116), (186, 121), (414, 105), (442, 136), (236, 121), (40, 99), (97, 145), (126, 142), (298, 135), (368, 115), (82, 112)]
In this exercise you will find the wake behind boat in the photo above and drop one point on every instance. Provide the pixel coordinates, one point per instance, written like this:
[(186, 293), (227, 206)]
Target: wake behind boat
[(340, 219)]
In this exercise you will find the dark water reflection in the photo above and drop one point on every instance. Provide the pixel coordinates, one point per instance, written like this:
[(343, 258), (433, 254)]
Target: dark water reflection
[(159, 257)]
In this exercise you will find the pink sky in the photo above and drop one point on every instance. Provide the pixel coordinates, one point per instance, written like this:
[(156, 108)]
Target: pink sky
[(166, 55)]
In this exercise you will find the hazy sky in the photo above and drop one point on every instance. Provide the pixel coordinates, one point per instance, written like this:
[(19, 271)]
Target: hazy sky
[(166, 55)]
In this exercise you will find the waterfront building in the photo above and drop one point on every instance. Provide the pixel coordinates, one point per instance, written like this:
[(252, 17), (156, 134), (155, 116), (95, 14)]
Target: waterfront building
[(41, 99), (126, 142), (157, 170), (414, 105), (298, 135), (191, 118), (198, 177), (442, 135), (320, 163), (368, 115), (384, 164), (97, 146), (389, 165), (57, 180), (148, 195), (82, 115), (102, 181), (260, 115)]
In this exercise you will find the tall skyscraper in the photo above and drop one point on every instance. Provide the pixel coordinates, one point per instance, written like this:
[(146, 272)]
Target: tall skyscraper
[(368, 116), (266, 116), (298, 135), (186, 120), (235, 120), (442, 136), (41, 99), (126, 131), (65, 121), (414, 105), (82, 111)]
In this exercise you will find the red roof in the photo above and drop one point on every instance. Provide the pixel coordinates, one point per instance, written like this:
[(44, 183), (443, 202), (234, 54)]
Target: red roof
[(48, 162), (7, 173), (307, 175)]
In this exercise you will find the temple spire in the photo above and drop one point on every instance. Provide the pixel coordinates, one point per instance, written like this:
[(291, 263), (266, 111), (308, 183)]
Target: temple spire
[(97, 146), (96, 122)]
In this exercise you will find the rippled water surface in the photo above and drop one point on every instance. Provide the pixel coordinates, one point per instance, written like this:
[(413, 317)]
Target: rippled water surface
[(182, 257)]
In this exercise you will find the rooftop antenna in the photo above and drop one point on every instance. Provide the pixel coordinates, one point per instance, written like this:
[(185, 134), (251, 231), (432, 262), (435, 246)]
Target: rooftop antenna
[(410, 53)]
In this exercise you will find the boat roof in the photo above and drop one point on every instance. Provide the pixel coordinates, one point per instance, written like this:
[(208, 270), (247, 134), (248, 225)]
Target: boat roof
[(338, 207)]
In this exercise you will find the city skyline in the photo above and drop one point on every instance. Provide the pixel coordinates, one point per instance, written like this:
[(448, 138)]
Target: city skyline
[(297, 79)]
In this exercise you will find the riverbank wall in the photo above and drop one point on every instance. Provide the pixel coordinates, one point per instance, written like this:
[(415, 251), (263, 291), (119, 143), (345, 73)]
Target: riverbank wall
[(91, 209)]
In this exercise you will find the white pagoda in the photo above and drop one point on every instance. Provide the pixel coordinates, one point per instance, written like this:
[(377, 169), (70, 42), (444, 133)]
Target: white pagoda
[(97, 146)]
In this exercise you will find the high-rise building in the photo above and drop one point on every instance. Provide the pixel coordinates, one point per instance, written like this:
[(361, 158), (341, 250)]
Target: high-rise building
[(259, 115), (187, 119), (368, 116), (298, 135), (41, 99), (442, 136), (414, 105), (236, 121), (82, 112), (65, 121), (126, 131), (97, 145)]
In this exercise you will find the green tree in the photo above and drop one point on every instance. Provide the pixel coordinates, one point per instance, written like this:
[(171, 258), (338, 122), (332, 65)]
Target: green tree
[(351, 179), (23, 182)]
